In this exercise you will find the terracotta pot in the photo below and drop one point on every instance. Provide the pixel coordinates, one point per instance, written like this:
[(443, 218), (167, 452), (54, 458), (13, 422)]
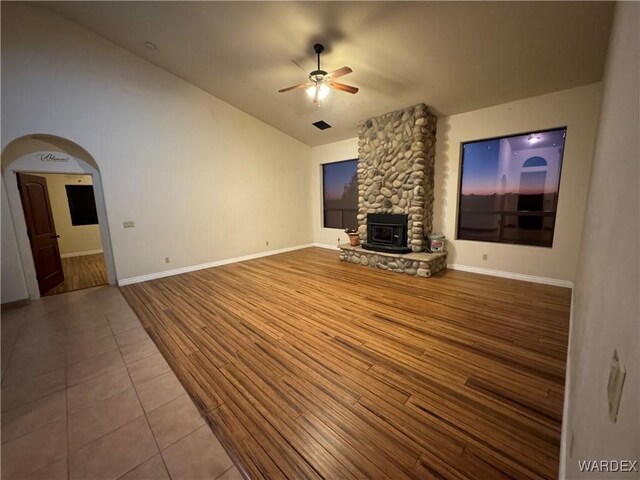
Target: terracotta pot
[(354, 240)]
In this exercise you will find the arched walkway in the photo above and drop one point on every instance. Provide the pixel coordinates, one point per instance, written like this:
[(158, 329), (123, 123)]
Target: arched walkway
[(45, 154)]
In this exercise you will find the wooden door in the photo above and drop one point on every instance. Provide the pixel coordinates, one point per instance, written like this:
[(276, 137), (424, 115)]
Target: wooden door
[(41, 231)]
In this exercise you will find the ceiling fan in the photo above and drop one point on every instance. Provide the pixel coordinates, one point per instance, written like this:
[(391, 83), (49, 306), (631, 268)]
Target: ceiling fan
[(321, 81)]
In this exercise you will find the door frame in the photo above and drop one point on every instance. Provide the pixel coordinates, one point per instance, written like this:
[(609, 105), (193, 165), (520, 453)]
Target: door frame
[(33, 163)]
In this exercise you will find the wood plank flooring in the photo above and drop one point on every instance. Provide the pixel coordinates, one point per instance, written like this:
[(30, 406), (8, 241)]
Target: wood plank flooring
[(308, 367), (82, 272)]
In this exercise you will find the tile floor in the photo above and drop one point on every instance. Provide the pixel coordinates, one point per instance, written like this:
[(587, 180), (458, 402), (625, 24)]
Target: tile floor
[(87, 395)]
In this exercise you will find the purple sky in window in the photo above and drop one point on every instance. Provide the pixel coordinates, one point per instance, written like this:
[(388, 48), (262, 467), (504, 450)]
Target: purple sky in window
[(336, 176), (522, 164)]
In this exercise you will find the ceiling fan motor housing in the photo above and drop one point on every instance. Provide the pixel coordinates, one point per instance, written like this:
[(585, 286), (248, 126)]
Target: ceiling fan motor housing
[(317, 75)]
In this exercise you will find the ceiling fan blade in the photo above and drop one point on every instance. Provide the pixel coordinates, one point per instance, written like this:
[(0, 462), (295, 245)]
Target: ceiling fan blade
[(339, 72), (301, 85), (342, 87)]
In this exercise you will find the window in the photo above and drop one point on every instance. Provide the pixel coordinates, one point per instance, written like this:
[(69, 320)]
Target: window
[(340, 194), (82, 204), (509, 188)]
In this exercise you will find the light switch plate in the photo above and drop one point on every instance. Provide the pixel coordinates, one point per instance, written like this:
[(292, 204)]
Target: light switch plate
[(128, 224), (614, 387)]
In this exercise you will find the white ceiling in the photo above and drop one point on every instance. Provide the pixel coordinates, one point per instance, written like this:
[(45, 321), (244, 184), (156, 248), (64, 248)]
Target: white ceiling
[(453, 56)]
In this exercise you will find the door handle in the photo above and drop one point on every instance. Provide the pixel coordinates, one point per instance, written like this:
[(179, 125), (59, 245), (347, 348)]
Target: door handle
[(55, 236)]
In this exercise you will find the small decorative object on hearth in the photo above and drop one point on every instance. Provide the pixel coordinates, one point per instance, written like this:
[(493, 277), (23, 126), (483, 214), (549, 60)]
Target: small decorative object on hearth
[(435, 243), (354, 237)]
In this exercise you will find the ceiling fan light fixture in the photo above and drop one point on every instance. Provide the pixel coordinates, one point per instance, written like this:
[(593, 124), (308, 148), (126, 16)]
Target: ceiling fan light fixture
[(321, 82), (323, 91), (311, 91)]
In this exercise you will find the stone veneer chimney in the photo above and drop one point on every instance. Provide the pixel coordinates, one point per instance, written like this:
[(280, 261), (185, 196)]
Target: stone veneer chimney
[(395, 170)]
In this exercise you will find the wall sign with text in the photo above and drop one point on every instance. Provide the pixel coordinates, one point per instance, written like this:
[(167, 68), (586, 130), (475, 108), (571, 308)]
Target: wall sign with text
[(50, 157)]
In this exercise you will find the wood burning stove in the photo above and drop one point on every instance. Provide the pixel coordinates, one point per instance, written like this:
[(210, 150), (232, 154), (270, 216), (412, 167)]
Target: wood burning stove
[(387, 232)]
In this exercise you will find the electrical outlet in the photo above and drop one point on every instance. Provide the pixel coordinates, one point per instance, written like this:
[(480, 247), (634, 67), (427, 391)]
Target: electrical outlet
[(614, 387), (129, 224), (267, 243), (166, 259), (485, 256)]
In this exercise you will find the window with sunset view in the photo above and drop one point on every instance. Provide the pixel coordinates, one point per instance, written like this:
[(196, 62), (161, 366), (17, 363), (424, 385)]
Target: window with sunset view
[(340, 194), (509, 188)]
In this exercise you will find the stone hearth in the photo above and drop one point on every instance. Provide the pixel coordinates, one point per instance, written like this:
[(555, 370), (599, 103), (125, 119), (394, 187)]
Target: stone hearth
[(422, 264)]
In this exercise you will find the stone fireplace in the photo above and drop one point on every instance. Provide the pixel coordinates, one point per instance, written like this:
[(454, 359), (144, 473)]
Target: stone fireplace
[(395, 177)]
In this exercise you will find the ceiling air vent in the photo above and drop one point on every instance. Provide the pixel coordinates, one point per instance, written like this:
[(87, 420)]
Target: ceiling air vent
[(321, 124)]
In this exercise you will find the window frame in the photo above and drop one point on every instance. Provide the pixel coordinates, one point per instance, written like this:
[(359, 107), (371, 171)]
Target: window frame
[(542, 214), (322, 181)]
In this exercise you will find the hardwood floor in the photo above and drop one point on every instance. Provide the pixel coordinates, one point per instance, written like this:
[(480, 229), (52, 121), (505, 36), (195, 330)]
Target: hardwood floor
[(82, 272), (308, 367)]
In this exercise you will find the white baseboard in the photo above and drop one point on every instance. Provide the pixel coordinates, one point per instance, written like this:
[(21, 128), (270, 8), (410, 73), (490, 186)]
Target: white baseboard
[(192, 268), (80, 254), (565, 437), (515, 276), (326, 245)]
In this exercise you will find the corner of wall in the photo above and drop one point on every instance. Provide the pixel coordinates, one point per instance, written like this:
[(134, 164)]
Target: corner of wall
[(605, 304), (14, 285)]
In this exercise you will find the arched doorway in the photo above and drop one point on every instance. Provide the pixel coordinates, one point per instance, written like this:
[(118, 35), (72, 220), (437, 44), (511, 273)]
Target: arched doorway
[(533, 178), (49, 154)]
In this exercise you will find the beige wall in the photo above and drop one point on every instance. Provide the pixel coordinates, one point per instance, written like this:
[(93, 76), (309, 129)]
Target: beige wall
[(330, 153), (577, 108), (606, 312), (202, 180), (76, 239)]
